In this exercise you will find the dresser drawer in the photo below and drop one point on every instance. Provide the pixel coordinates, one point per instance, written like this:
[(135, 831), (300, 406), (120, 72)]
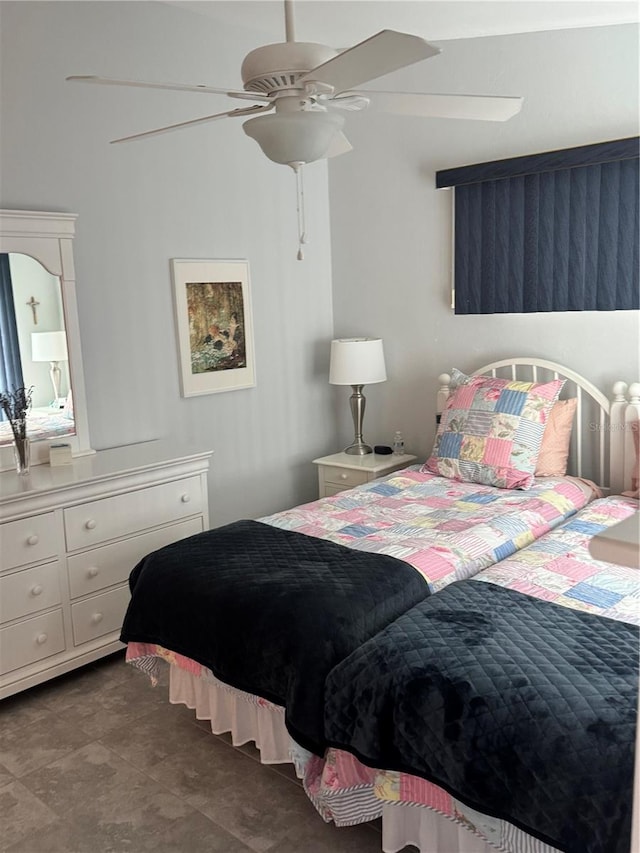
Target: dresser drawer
[(28, 591), (30, 641), (28, 540), (111, 518), (343, 477), (94, 570), (99, 615)]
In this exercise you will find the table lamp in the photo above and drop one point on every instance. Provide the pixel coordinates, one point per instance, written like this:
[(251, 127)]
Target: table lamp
[(357, 362), (51, 347)]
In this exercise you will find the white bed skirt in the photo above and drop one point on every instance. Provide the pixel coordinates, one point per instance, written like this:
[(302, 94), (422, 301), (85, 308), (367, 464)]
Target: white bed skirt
[(247, 719), (232, 711)]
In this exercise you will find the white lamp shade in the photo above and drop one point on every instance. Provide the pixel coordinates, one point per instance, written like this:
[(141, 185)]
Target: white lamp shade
[(48, 346), (357, 361), (294, 137)]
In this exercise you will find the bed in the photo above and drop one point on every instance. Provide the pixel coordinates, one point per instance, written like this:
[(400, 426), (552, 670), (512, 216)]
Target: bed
[(557, 571), (508, 701), (270, 607), (405, 539), (42, 424)]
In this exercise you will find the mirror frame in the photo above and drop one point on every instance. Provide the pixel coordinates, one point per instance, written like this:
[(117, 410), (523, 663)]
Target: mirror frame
[(48, 238)]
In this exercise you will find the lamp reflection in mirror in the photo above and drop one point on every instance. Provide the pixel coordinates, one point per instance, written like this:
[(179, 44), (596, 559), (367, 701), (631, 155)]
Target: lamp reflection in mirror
[(51, 347), (357, 362)]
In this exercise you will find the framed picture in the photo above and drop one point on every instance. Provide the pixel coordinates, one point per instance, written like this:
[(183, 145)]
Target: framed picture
[(215, 331)]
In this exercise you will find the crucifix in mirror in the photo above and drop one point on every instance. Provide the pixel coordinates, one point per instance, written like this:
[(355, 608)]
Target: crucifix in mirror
[(33, 304)]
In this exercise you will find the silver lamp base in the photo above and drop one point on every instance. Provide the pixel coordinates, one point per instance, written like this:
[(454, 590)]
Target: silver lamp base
[(358, 449), (54, 373), (357, 403)]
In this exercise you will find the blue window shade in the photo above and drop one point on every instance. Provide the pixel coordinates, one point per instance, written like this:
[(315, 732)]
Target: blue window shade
[(552, 232)]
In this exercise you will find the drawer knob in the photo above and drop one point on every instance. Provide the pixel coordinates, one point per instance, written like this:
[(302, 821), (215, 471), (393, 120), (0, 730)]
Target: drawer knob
[(93, 572), (185, 498), (343, 476), (37, 589), (33, 540), (96, 617), (41, 638), (90, 524)]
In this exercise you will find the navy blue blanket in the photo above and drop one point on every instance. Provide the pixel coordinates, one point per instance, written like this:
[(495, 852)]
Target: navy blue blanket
[(523, 709), (268, 611)]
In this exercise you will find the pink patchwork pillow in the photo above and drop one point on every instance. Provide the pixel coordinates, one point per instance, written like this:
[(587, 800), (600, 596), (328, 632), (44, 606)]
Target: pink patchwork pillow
[(554, 451), (491, 430)]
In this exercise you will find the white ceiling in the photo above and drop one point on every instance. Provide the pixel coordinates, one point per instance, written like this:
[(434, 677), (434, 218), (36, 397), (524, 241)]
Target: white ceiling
[(341, 23)]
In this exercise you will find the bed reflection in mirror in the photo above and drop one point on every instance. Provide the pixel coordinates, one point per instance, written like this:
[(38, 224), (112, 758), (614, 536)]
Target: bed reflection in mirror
[(33, 351)]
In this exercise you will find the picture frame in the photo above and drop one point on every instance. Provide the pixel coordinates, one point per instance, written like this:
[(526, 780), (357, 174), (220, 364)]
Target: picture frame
[(212, 302)]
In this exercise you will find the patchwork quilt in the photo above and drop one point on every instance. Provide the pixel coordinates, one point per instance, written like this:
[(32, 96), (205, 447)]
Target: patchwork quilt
[(446, 530), (559, 568)]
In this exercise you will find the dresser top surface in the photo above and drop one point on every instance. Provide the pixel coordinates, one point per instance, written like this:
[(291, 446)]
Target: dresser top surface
[(116, 461)]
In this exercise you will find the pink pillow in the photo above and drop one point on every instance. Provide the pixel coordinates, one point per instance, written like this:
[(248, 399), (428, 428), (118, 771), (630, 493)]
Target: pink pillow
[(554, 451)]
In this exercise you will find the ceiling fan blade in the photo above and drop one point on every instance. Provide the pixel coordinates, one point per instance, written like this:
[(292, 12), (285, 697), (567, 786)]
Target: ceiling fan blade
[(339, 145), (177, 87), (244, 111), (385, 52), (479, 107), (351, 103)]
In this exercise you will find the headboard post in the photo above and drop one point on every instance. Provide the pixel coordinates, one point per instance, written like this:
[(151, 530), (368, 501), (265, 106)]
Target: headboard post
[(631, 414), (444, 381), (617, 438)]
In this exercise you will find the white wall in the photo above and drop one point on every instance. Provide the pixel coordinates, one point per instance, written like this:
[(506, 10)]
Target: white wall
[(203, 193), (391, 229), (210, 193)]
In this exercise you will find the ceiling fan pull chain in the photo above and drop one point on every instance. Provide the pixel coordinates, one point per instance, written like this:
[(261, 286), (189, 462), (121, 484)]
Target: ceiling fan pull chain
[(302, 234)]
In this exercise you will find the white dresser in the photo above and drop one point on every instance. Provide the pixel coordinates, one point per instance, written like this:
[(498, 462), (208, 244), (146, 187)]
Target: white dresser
[(69, 538)]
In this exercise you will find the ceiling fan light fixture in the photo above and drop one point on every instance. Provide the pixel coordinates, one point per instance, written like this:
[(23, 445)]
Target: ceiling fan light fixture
[(294, 137)]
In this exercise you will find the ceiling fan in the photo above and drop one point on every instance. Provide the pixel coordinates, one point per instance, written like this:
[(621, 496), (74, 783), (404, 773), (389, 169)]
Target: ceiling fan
[(303, 89)]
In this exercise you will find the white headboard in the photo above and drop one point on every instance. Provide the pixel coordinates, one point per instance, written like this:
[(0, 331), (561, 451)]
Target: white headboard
[(601, 443)]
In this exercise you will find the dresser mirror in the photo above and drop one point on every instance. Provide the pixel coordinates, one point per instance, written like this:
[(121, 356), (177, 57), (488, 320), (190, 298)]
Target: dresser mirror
[(41, 340)]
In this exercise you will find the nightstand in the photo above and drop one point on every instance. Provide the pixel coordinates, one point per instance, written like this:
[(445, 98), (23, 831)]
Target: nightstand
[(341, 471)]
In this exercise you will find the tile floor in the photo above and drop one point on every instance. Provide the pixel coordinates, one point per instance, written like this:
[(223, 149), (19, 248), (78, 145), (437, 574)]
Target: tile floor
[(97, 761)]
